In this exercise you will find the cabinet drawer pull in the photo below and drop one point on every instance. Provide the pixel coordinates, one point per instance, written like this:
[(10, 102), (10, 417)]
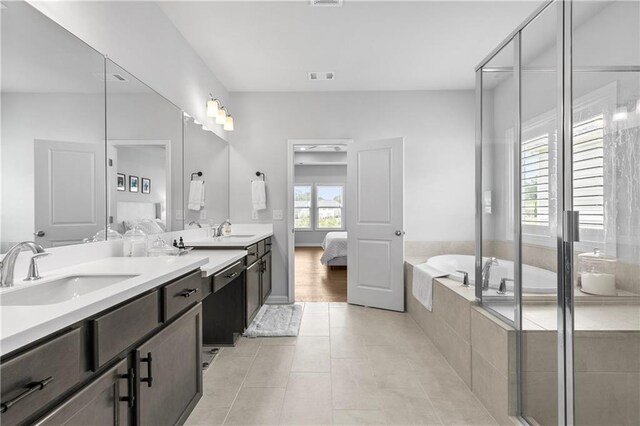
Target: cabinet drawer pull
[(149, 379), (30, 388), (130, 400), (232, 275), (188, 292)]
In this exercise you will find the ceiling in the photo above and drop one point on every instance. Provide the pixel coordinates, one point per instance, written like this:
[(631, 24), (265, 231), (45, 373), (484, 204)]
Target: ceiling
[(369, 45)]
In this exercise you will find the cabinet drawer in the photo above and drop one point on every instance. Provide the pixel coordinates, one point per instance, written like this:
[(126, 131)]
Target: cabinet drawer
[(261, 248), (56, 365), (267, 245), (181, 294), (226, 276), (252, 254), (119, 329)]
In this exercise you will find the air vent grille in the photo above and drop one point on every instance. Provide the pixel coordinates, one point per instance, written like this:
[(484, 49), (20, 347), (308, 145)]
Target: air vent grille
[(325, 3), (321, 76)]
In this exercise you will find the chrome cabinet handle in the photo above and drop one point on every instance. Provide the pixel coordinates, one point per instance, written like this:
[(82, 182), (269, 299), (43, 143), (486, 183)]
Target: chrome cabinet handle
[(31, 388), (232, 275)]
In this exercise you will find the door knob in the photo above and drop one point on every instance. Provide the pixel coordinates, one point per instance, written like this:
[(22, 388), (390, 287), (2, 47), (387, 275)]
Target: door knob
[(399, 233), (39, 234)]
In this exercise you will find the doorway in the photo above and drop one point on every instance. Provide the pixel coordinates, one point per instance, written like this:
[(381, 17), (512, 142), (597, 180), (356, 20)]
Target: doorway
[(317, 215)]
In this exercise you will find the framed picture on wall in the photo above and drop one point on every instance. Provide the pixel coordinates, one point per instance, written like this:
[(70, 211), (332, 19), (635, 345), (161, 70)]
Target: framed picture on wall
[(146, 186), (121, 182), (133, 183)]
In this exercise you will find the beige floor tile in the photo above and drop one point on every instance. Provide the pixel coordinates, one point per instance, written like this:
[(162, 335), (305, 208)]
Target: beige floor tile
[(270, 367), (307, 399), (279, 341), (347, 343), (312, 354), (255, 406), (314, 325), (358, 417), (407, 407), (316, 308), (245, 347), (465, 416), (391, 368), (207, 417)]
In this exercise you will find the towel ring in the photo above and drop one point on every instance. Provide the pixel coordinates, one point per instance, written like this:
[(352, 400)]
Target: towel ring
[(264, 177), (196, 173)]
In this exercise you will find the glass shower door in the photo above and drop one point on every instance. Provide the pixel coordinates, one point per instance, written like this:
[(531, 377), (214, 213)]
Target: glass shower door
[(605, 182)]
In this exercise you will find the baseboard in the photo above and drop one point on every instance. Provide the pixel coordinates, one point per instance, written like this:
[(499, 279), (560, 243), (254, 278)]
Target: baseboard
[(277, 300), (308, 244)]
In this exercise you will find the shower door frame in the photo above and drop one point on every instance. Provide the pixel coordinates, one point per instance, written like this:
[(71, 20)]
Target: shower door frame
[(566, 219)]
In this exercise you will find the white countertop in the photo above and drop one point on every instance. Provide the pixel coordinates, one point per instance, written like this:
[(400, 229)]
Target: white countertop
[(21, 325), (218, 259), (241, 236)]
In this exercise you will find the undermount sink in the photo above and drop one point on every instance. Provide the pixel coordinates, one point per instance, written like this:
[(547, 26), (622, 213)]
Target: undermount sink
[(60, 290)]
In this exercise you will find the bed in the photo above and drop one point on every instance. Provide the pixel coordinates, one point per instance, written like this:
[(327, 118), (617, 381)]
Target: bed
[(145, 215), (335, 249)]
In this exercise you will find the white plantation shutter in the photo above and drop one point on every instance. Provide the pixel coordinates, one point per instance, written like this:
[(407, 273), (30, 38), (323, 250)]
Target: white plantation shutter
[(535, 181), (588, 171)]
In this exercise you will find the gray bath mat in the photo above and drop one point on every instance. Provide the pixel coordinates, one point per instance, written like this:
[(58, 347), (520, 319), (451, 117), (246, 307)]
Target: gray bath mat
[(276, 320)]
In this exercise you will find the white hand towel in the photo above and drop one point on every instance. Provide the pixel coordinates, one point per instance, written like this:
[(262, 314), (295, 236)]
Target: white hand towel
[(258, 195), (423, 276), (196, 195)]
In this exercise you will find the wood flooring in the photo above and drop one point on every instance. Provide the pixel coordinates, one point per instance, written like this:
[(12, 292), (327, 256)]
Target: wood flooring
[(316, 282)]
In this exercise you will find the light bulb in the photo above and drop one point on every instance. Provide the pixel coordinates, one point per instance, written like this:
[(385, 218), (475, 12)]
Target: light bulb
[(228, 123), (221, 117), (204, 127), (212, 107), (620, 114), (196, 122)]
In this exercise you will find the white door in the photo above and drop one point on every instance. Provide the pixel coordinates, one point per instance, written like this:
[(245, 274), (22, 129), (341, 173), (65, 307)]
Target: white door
[(375, 221), (69, 191)]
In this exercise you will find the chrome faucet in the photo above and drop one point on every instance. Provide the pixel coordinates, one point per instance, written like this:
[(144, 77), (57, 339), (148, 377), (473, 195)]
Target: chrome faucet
[(9, 262), (195, 222), (217, 232), (486, 272)]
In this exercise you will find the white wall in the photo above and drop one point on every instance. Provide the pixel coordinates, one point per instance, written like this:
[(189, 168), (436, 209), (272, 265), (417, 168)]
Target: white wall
[(147, 162), (138, 36), (438, 127)]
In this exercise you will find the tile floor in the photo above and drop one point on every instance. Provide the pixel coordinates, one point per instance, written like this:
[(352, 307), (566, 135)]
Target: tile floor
[(349, 365)]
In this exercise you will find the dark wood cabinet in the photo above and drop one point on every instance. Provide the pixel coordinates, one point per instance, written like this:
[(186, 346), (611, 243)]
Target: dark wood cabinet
[(266, 276), (169, 379), (253, 296), (108, 400)]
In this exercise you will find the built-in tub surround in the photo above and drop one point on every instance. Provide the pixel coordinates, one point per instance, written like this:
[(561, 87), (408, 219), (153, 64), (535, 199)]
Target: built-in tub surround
[(481, 348)]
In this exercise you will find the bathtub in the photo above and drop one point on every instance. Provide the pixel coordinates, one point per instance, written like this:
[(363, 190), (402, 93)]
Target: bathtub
[(534, 280)]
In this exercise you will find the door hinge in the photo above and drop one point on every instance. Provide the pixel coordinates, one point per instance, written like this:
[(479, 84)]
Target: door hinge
[(110, 219), (110, 162)]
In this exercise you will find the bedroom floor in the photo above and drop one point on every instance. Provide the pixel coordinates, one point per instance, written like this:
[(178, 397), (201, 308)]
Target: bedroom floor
[(316, 282), (349, 365)]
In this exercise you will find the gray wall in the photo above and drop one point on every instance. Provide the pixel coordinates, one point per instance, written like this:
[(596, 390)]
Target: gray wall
[(438, 127)]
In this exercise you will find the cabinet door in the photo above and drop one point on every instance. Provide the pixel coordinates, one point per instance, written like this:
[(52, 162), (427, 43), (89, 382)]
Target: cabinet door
[(169, 367), (266, 276), (253, 296), (105, 401)]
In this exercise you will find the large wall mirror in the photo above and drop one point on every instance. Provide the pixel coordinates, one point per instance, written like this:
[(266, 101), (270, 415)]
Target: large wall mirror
[(87, 149), (144, 151), (207, 153), (53, 131)]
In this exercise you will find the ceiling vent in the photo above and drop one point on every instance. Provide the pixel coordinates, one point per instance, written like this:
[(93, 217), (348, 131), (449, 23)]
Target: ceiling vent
[(110, 77), (325, 3), (322, 76)]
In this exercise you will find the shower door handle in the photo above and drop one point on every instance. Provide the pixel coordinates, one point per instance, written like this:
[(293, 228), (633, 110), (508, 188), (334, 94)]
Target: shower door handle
[(571, 226)]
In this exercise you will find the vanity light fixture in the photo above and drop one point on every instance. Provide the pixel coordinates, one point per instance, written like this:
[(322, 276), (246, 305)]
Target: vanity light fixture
[(213, 106), (205, 128), (196, 122), (228, 123), (221, 117)]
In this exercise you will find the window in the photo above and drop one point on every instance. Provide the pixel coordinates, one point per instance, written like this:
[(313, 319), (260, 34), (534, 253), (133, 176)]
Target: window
[(535, 181), (302, 206), (588, 171), (329, 206)]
